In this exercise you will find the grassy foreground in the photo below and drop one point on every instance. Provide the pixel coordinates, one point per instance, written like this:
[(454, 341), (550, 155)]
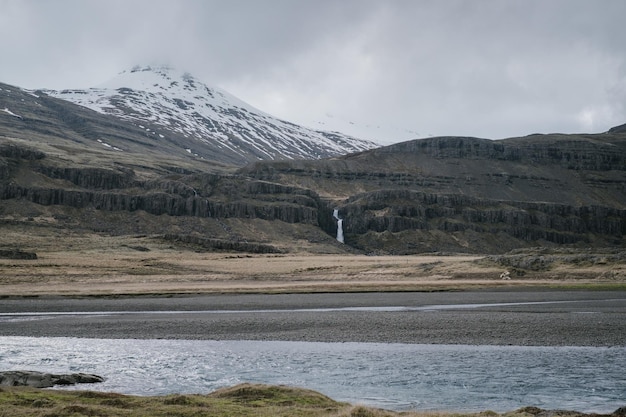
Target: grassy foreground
[(241, 400)]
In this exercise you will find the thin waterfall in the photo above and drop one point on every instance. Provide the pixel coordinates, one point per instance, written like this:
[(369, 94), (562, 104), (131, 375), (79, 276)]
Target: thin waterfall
[(339, 225)]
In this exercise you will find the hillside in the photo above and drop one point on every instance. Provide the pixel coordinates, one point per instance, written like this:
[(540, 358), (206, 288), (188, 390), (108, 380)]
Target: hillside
[(472, 195), (67, 171)]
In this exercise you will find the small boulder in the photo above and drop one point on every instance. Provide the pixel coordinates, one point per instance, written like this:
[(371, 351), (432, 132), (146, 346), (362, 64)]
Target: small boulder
[(17, 254)]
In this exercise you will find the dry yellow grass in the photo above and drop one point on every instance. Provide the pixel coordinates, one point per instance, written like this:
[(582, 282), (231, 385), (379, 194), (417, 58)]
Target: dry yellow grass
[(99, 265)]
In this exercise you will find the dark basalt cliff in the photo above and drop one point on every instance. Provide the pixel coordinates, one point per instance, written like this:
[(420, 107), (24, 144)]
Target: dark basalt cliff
[(507, 224), (474, 195), (32, 179), (215, 196)]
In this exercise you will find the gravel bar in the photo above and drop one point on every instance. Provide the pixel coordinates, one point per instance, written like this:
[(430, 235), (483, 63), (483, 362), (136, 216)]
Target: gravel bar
[(501, 317)]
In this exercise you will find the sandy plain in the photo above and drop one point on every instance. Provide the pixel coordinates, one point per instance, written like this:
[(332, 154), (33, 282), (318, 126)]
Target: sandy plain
[(163, 272)]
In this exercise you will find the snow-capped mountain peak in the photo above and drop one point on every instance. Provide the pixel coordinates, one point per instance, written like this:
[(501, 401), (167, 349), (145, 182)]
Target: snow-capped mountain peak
[(173, 105), (161, 80)]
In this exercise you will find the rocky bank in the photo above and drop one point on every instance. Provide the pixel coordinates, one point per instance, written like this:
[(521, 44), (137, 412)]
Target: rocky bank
[(45, 380)]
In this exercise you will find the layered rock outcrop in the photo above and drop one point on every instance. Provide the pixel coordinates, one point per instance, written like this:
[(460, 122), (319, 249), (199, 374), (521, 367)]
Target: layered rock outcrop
[(200, 195), (469, 194), (525, 220), (159, 203), (397, 211)]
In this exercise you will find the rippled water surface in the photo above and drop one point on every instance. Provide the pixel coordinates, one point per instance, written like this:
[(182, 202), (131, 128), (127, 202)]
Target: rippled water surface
[(394, 376)]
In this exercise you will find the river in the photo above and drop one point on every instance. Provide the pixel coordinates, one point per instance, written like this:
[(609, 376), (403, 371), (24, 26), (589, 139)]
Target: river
[(388, 375)]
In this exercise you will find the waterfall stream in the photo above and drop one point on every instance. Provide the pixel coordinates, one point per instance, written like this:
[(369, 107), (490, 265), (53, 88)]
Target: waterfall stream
[(339, 225)]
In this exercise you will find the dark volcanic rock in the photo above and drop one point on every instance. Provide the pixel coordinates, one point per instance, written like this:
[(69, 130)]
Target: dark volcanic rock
[(618, 129), (539, 412), (45, 380), (222, 245), (524, 220), (570, 152), (20, 152), (94, 178), (16, 254), (620, 412)]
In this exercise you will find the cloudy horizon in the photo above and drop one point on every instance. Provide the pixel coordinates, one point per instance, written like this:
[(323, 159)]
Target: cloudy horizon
[(485, 68)]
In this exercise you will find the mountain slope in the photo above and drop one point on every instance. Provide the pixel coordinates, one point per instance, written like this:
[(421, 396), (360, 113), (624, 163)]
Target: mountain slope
[(470, 194), (68, 171), (567, 169), (79, 136), (208, 122)]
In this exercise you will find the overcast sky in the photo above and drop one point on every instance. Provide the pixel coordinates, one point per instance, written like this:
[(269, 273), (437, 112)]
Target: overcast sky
[(414, 68)]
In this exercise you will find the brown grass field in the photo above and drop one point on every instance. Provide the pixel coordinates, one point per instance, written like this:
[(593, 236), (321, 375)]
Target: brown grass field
[(97, 265)]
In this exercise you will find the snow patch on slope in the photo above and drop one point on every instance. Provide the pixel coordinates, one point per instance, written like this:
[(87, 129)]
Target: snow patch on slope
[(10, 113), (178, 103)]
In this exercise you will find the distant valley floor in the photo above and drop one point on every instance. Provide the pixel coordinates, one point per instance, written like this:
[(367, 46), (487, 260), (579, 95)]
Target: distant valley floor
[(119, 266)]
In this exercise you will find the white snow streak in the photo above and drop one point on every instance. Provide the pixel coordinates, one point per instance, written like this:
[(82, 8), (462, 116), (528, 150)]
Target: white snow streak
[(115, 148), (10, 113)]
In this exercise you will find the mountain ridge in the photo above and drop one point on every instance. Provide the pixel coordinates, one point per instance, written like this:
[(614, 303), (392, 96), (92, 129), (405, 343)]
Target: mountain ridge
[(165, 102)]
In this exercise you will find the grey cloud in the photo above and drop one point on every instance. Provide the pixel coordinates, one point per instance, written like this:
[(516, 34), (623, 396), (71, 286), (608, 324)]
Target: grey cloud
[(487, 68)]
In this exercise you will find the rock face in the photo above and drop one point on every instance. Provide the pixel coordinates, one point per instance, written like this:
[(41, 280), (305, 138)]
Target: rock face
[(474, 195), (618, 129), (45, 380), (539, 412), (230, 197)]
